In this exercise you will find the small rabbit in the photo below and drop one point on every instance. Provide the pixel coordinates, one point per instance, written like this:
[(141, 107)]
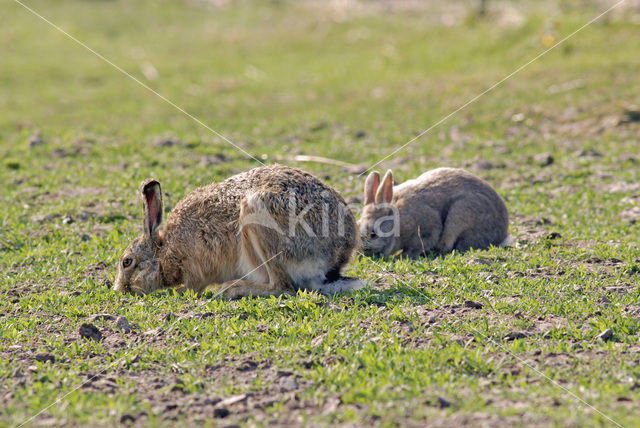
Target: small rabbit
[(443, 209), (270, 230)]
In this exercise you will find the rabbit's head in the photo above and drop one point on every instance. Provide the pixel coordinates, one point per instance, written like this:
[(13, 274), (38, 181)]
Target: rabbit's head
[(138, 268), (380, 221)]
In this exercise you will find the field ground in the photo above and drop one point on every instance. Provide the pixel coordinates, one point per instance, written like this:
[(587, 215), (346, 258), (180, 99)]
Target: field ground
[(543, 333)]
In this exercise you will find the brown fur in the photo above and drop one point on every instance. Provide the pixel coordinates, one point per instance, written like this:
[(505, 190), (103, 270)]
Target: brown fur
[(208, 239), (443, 209)]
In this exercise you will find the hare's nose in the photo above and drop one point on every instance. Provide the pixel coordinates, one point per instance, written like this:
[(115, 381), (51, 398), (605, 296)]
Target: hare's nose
[(118, 286)]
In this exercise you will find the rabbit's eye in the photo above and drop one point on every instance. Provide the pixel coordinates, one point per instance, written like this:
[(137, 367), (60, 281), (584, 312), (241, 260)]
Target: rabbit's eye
[(127, 262)]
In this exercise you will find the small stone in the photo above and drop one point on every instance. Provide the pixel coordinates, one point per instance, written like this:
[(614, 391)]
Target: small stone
[(127, 419), (444, 402), (588, 153), (472, 304), (167, 142), (130, 361), (631, 216), (233, 399), (331, 405), (60, 153), (543, 159), (102, 317), (482, 164), (631, 114), (543, 221), (35, 140), (517, 117), (178, 386), (90, 331), (43, 358), (606, 335), (318, 126), (360, 134), (514, 335), (85, 237), (154, 332), (288, 383), (221, 412), (317, 341), (204, 315), (122, 323)]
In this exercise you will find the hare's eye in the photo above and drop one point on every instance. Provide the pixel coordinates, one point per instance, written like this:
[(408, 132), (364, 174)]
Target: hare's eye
[(127, 262)]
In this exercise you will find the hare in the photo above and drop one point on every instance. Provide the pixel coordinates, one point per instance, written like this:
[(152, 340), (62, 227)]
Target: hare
[(267, 231), (443, 209)]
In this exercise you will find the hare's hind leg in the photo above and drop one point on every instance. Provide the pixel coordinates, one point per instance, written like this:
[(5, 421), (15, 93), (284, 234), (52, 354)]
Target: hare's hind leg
[(264, 274), (472, 239), (278, 281), (468, 225), (460, 219)]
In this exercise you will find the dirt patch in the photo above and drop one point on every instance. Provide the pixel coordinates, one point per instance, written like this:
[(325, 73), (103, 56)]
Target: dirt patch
[(174, 398), (95, 217), (528, 229), (171, 397), (101, 272)]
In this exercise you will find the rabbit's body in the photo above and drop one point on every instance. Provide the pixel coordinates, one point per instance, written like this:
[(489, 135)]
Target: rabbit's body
[(269, 230), (443, 209)]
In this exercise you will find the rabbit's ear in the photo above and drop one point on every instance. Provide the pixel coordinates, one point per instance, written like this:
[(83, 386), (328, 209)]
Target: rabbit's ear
[(371, 187), (385, 191), (152, 205)]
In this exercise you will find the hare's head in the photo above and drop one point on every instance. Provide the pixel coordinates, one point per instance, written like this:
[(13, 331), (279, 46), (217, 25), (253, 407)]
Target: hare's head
[(138, 268), (380, 222)]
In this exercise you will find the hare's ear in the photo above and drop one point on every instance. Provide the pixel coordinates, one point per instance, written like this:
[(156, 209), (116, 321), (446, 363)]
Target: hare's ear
[(370, 187), (152, 205), (385, 191)]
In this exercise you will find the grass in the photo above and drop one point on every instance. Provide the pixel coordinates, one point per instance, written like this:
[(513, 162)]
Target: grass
[(283, 79)]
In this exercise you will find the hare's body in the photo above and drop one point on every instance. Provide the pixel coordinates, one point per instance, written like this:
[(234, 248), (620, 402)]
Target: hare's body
[(270, 230), (443, 209)]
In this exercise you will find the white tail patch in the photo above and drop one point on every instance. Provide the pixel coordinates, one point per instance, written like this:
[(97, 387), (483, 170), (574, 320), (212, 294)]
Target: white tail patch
[(311, 275), (508, 241), (342, 285)]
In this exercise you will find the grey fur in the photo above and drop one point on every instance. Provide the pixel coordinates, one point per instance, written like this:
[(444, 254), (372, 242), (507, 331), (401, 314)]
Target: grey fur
[(443, 209)]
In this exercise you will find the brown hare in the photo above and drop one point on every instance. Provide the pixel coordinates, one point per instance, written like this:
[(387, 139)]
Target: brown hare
[(442, 210), (270, 230)]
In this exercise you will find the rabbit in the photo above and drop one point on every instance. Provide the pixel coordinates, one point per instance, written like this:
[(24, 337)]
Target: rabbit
[(443, 210), (268, 231)]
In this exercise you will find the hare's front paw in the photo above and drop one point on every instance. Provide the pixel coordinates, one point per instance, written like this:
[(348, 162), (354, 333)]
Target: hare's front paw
[(226, 290), (414, 253), (239, 288)]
